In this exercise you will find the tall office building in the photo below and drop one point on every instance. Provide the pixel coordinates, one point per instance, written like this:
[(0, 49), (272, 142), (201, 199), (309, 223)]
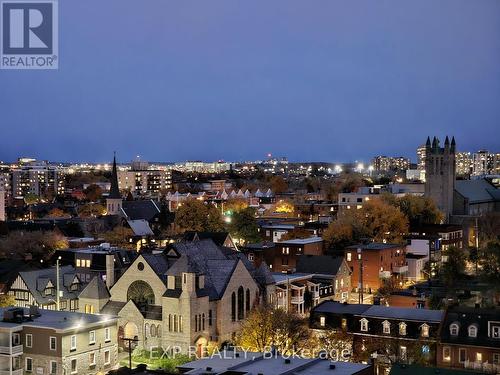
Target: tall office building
[(463, 161), (440, 171), (2, 205), (421, 158)]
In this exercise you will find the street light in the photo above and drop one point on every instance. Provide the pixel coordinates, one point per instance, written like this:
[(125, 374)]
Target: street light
[(57, 284)]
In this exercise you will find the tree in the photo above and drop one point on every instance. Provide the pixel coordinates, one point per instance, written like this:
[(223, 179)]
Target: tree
[(337, 343), (93, 193), (278, 185), (120, 237), (453, 269), (266, 327), (284, 207), (91, 210), (56, 213), (244, 226), (31, 198), (7, 300), (338, 235), (235, 205), (296, 233), (40, 245), (418, 210), (490, 263), (194, 215)]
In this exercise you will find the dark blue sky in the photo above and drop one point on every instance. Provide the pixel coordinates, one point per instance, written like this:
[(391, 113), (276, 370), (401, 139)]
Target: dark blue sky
[(312, 80)]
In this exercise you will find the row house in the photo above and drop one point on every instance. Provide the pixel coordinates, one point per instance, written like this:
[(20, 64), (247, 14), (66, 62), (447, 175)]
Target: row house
[(284, 255), (34, 341)]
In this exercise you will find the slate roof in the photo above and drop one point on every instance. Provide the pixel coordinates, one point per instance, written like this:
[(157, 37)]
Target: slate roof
[(319, 264), (218, 237), (302, 241), (341, 308), (95, 289), (375, 246), (140, 227), (142, 209), (113, 307), (477, 191), (36, 281), (404, 313), (465, 316)]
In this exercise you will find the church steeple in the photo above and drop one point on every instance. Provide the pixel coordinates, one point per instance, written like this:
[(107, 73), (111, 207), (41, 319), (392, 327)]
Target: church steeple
[(114, 200), (114, 191)]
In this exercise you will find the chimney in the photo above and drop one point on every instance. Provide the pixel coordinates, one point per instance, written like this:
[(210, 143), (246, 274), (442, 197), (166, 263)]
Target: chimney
[(110, 270)]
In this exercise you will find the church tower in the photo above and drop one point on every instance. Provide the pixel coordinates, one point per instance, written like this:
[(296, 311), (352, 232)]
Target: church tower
[(114, 200), (440, 173)]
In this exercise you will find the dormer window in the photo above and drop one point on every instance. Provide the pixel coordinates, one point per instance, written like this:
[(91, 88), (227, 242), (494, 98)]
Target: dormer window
[(364, 325), (49, 291), (472, 331), (74, 287), (386, 327), (495, 331), (454, 329), (402, 329), (424, 330)]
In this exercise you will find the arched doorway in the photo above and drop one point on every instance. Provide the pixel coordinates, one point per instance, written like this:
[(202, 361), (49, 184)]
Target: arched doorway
[(130, 331), (201, 345)]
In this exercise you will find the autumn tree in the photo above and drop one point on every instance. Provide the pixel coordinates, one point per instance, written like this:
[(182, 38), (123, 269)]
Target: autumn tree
[(194, 215), (278, 185), (489, 260), (39, 245), (7, 300), (244, 226), (336, 342), (453, 268), (31, 198), (235, 205), (120, 237), (418, 209), (266, 327), (91, 210), (56, 213), (93, 193)]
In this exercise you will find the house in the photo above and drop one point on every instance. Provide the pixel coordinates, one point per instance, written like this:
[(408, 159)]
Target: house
[(379, 261), (470, 339), (449, 235), (56, 342), (219, 238), (192, 294), (255, 251), (39, 287), (393, 333), (283, 257), (232, 362)]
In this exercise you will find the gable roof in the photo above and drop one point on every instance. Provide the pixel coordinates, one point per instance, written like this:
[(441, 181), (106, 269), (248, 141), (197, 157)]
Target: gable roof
[(219, 238), (142, 209), (140, 227), (95, 289), (319, 264), (477, 191), (404, 313)]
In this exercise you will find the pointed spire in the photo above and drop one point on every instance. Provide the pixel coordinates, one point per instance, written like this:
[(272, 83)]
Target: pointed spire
[(446, 141), (453, 144), (434, 143), (428, 143), (114, 191)]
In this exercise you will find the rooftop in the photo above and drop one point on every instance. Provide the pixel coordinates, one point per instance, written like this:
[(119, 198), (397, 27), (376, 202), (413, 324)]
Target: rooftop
[(302, 241)]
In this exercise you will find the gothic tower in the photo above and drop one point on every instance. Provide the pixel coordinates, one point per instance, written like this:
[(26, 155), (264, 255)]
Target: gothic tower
[(440, 173), (114, 200)]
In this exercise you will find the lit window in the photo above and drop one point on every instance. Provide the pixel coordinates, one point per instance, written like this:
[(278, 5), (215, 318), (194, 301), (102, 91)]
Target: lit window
[(322, 321), (479, 357), (425, 330), (349, 257), (386, 326), (402, 329), (402, 352)]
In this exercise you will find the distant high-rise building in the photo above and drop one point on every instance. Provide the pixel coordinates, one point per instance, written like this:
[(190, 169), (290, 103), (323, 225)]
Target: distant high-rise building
[(2, 205), (140, 179), (421, 158), (484, 162), (463, 161), (38, 178), (440, 173), (389, 163)]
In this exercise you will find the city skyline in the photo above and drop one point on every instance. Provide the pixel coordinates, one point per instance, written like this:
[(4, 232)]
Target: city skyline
[(332, 81)]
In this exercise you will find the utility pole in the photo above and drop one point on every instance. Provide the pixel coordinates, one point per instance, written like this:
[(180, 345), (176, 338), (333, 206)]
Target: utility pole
[(476, 229), (360, 285), (130, 341), (58, 305)]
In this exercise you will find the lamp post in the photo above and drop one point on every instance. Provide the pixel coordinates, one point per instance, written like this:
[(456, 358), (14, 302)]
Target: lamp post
[(360, 285), (57, 284)]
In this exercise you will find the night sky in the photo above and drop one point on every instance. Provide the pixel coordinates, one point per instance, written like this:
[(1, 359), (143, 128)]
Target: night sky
[(312, 80)]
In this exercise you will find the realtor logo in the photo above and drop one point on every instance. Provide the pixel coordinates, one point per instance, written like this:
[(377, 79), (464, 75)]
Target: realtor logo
[(29, 34)]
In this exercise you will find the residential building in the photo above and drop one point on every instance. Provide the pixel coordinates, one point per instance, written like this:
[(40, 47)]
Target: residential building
[(3, 217), (378, 261), (396, 334), (142, 180), (56, 342), (485, 163), (283, 256), (421, 151), (231, 362), (470, 339), (440, 174), (386, 164), (192, 294), (463, 161), (449, 235), (37, 178)]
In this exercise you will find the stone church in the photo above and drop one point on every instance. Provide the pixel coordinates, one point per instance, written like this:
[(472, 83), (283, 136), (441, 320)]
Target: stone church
[(192, 295)]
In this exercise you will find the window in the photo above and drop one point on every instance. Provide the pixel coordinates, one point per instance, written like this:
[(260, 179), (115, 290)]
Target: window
[(107, 335), (233, 307), (496, 358), (446, 354), (241, 302), (247, 299), (402, 352), (89, 309), (52, 343), (250, 257), (107, 357), (91, 359), (146, 329), (210, 318), (153, 330), (29, 340), (454, 329), (87, 263), (29, 364), (472, 331), (479, 357), (386, 327), (74, 368), (495, 332), (73, 343), (364, 325), (425, 330), (349, 257), (91, 337), (78, 263), (180, 323), (402, 329), (53, 367), (462, 355)]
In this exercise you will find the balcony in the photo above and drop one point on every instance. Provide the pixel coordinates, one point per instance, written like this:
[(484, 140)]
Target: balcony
[(17, 349), (297, 300), (400, 269)]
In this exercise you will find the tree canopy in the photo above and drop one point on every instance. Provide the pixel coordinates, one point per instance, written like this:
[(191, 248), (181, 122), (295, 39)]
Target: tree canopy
[(244, 226), (194, 215), (40, 245)]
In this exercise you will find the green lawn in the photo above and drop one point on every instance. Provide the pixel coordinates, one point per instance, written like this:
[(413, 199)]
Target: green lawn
[(168, 364)]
